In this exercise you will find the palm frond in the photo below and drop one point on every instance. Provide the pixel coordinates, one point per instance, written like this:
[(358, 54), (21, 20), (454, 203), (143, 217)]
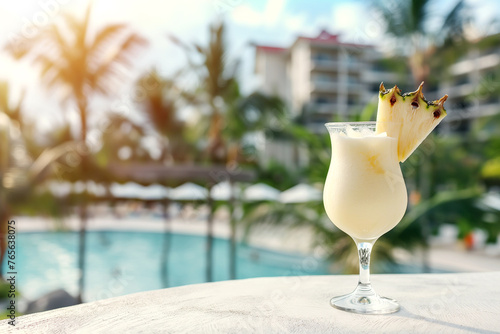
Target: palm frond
[(453, 24), (104, 36), (435, 201), (120, 57), (79, 28), (188, 52), (395, 25), (49, 68), (65, 51), (40, 167), (4, 97), (418, 15), (199, 48), (11, 109), (131, 44), (280, 214), (19, 47), (265, 110), (216, 81)]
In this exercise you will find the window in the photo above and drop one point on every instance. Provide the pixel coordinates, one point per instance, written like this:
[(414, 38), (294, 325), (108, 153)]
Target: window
[(323, 77), (352, 59), (462, 80), (322, 100), (352, 79), (323, 56), (351, 101)]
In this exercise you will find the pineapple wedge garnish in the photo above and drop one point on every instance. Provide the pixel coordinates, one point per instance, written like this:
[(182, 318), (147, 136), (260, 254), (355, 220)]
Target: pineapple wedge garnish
[(408, 117)]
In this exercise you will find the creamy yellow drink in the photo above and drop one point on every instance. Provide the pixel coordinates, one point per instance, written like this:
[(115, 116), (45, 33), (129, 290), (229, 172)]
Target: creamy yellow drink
[(365, 194)]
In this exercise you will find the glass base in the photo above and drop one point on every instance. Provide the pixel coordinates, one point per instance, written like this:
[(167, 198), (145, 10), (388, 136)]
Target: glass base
[(364, 300)]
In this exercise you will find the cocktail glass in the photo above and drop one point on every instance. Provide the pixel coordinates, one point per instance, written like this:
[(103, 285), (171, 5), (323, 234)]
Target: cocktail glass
[(364, 196)]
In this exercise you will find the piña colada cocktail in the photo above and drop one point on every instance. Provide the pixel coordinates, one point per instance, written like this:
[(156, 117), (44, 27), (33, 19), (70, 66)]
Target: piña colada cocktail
[(365, 194)]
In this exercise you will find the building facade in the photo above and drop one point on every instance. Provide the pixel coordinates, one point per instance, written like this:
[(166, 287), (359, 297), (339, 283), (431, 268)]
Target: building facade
[(323, 79), (473, 88), (320, 78)]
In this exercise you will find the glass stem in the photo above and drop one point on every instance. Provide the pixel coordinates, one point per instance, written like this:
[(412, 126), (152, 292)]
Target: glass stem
[(364, 252)]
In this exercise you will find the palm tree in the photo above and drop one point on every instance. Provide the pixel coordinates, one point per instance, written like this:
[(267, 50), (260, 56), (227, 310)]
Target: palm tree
[(161, 108), (246, 115), (83, 66), (216, 78), (228, 119), (117, 133), (161, 104), (409, 23), (216, 81), (8, 114), (23, 163)]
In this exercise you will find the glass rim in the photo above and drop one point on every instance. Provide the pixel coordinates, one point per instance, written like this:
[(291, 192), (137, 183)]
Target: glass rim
[(338, 124)]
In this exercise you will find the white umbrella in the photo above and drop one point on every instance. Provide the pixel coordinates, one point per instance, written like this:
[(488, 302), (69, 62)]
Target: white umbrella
[(301, 193), (59, 189), (189, 192), (78, 187), (491, 200), (222, 191), (127, 190), (261, 192), (154, 192), (62, 189), (96, 188)]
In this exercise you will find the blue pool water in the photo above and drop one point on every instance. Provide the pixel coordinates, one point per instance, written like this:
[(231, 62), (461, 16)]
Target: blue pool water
[(119, 263)]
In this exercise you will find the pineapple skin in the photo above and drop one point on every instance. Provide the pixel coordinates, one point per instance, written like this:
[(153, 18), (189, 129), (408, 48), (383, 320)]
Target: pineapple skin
[(408, 117)]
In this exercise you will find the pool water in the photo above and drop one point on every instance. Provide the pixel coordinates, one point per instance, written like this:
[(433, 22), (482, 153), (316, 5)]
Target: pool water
[(120, 263)]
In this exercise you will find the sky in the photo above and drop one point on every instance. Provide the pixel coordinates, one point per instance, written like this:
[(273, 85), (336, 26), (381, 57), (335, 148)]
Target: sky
[(272, 22)]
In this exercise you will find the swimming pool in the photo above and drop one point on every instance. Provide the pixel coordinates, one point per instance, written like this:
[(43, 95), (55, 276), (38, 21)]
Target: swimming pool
[(119, 263)]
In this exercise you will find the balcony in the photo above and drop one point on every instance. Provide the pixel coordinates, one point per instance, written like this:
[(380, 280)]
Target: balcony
[(356, 87), (481, 63), (323, 108), (328, 65), (461, 90), (324, 86), (378, 76), (353, 65)]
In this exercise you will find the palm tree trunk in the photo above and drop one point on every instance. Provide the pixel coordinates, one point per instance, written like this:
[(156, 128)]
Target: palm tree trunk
[(82, 106), (216, 149), (424, 185), (4, 217), (4, 214), (210, 237), (166, 245), (418, 66), (82, 248), (232, 225)]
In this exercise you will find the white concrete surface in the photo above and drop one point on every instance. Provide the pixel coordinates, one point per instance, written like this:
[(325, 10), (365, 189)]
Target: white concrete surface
[(432, 303)]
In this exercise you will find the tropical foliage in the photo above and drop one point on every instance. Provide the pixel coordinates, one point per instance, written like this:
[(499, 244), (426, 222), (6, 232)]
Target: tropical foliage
[(81, 66), (410, 23)]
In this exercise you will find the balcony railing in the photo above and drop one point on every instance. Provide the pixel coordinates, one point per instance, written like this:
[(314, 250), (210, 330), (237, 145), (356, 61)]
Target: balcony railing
[(323, 108), (324, 86), (324, 65)]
